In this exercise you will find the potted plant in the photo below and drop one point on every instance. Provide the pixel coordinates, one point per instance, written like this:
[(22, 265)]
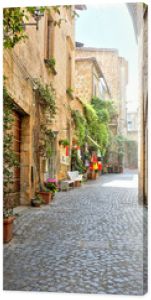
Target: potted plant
[(51, 186), (45, 194), (8, 219), (36, 201)]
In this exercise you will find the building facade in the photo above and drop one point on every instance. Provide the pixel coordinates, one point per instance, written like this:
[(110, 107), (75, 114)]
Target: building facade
[(115, 73), (89, 80), (115, 76), (24, 76), (131, 154), (139, 14)]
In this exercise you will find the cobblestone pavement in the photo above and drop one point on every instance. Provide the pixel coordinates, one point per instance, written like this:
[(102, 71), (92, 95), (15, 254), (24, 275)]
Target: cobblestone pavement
[(88, 240)]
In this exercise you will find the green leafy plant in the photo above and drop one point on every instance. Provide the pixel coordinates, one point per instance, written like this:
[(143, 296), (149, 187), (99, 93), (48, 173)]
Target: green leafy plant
[(13, 22), (80, 126), (51, 187), (9, 157), (76, 162), (37, 200), (46, 97), (51, 64), (64, 142), (44, 189), (7, 212), (69, 92), (106, 106)]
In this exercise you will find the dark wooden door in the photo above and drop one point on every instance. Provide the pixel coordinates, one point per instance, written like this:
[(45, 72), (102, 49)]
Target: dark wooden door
[(16, 147)]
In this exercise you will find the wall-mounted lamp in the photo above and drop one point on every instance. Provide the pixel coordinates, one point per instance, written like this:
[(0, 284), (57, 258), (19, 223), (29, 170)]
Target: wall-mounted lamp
[(37, 16), (55, 133)]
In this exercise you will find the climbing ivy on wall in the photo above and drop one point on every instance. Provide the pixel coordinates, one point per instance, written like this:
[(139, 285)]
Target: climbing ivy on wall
[(90, 124), (46, 96), (96, 128), (13, 19), (9, 157), (46, 110), (105, 109), (80, 125)]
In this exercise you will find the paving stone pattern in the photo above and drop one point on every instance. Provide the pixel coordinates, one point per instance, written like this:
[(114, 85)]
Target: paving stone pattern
[(88, 240)]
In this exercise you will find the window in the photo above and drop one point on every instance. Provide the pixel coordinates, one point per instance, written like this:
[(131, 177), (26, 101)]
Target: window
[(69, 62), (49, 38), (129, 125), (68, 71)]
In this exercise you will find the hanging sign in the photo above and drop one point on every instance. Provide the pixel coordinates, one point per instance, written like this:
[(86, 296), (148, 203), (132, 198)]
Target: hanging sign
[(64, 155)]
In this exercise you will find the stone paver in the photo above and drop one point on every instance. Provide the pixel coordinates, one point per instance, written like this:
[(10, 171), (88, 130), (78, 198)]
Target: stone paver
[(88, 240)]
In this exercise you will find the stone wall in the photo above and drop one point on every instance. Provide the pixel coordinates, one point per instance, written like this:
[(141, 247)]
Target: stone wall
[(83, 80), (142, 38), (26, 63), (87, 78)]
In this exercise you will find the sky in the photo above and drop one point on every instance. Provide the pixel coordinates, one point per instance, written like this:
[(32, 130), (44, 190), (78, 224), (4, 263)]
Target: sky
[(110, 26)]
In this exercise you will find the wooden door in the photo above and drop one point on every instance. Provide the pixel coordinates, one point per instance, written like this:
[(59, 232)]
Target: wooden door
[(17, 148)]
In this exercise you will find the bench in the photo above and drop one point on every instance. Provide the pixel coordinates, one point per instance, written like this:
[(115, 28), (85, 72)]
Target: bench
[(76, 177), (74, 180)]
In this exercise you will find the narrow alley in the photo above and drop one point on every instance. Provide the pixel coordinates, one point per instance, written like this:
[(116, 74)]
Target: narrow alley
[(88, 240)]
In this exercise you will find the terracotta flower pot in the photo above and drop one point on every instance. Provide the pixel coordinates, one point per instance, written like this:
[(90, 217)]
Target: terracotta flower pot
[(46, 196), (8, 229), (92, 175), (77, 183), (36, 204)]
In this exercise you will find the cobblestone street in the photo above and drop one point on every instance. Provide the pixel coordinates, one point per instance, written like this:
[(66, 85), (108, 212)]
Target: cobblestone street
[(88, 240)]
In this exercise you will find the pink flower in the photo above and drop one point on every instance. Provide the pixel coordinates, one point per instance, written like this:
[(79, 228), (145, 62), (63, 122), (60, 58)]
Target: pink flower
[(52, 180)]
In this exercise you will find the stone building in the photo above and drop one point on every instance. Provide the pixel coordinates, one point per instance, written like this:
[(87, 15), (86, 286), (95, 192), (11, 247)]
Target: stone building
[(115, 76), (115, 71), (131, 155), (139, 14), (23, 72), (89, 80)]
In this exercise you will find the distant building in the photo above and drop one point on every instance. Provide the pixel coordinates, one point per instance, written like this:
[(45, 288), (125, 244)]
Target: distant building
[(132, 122), (131, 153), (115, 72), (89, 79)]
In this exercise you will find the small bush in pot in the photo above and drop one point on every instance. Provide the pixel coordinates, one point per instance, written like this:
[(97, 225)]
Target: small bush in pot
[(8, 219), (51, 186), (36, 201), (45, 194)]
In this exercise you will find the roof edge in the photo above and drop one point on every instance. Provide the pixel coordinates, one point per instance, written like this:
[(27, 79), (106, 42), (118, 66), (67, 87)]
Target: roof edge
[(97, 49)]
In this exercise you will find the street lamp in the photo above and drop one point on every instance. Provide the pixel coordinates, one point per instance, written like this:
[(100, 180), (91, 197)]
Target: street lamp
[(37, 16)]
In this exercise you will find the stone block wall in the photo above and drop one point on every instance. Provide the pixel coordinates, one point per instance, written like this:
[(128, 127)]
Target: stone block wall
[(26, 63), (83, 80)]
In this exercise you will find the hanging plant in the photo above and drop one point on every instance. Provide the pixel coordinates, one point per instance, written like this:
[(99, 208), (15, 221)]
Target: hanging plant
[(69, 92), (46, 97), (64, 142), (50, 63), (13, 22), (80, 126), (46, 137)]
